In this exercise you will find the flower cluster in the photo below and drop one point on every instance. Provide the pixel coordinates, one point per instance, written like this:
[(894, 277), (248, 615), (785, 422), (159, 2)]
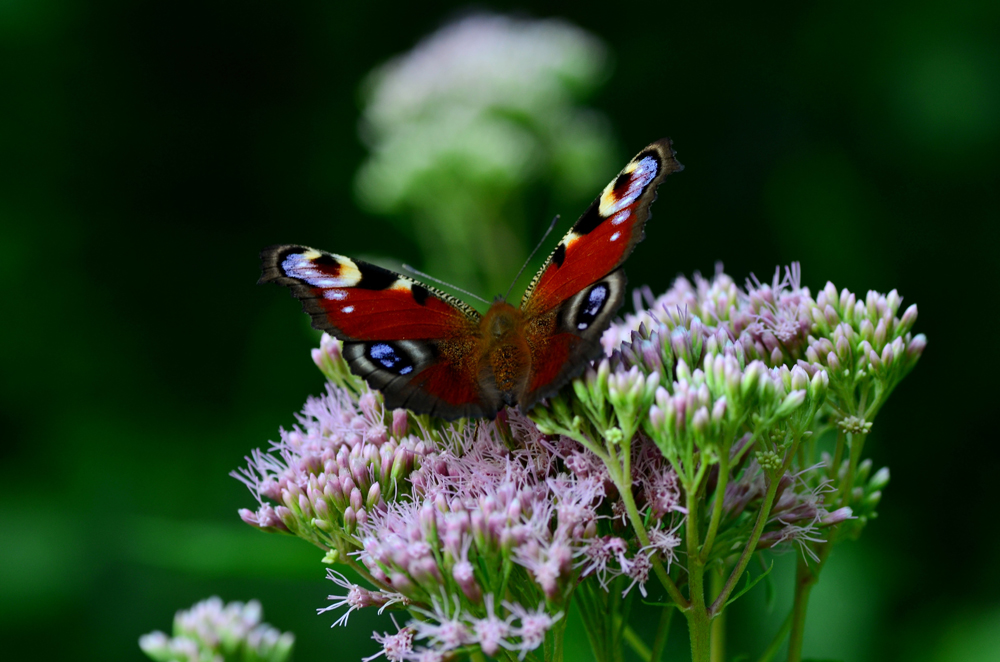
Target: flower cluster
[(346, 457), (213, 632), (699, 439), (864, 346)]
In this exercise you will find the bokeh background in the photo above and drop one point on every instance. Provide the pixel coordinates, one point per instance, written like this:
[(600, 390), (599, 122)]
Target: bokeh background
[(150, 149)]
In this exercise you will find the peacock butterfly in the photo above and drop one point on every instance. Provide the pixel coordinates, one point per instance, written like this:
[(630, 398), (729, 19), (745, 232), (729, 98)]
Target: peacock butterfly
[(431, 353)]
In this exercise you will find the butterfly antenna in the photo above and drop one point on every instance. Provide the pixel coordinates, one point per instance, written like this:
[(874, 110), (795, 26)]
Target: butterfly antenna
[(526, 262), (446, 284)]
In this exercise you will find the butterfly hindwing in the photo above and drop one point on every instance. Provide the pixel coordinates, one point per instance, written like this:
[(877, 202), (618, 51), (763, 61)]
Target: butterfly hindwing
[(578, 290), (564, 339), (416, 344)]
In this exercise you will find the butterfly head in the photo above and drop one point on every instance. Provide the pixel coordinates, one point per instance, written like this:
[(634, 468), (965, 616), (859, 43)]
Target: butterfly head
[(502, 320)]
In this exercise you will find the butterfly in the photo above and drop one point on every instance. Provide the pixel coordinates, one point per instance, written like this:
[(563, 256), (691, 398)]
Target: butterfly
[(431, 353)]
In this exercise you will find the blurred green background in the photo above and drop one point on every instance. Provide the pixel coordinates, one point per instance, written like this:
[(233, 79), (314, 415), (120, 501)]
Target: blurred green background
[(149, 150)]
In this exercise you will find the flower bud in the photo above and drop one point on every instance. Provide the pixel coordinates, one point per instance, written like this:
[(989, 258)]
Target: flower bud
[(400, 423), (880, 333), (791, 402), (333, 492), (751, 377), (880, 480), (374, 496), (682, 371), (871, 304), (874, 361), (603, 371), (799, 380), (864, 468), (819, 319), (888, 355), (766, 388), (719, 410), (916, 346), (818, 385), (859, 311), (832, 319), (829, 294), (657, 418), (909, 318), (357, 501), (812, 354), (700, 420), (871, 501), (867, 329), (892, 302), (843, 349), (837, 516), (833, 362), (865, 348), (400, 582)]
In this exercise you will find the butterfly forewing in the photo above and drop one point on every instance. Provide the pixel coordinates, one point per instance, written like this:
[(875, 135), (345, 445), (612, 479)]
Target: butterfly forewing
[(605, 235), (576, 293), (413, 342)]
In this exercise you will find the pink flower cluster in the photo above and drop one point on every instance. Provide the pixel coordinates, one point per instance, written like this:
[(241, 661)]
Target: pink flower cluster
[(336, 466)]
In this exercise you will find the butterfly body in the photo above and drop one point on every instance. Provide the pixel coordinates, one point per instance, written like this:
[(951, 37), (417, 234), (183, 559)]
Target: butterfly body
[(430, 352)]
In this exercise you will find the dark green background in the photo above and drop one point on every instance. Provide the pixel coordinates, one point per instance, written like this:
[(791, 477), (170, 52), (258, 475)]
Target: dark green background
[(149, 150)]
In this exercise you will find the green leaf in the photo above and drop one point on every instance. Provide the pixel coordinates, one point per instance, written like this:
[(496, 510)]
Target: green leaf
[(749, 585), (769, 591), (816, 659)]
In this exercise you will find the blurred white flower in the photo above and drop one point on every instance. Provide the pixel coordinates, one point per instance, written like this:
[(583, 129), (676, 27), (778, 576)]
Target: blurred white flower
[(462, 124)]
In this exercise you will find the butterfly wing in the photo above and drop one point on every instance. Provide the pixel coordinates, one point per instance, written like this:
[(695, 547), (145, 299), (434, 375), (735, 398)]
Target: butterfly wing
[(416, 344), (578, 290)]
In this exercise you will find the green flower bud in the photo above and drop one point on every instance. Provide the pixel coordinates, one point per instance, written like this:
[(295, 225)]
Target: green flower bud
[(892, 301), (799, 379), (863, 470), (769, 460), (791, 402), (909, 318), (880, 480), (751, 377), (819, 385), (682, 371), (700, 420), (854, 425), (867, 329)]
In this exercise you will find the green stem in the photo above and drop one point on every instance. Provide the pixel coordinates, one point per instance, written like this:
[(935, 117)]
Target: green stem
[(720, 494), (558, 636), (857, 446), (699, 621), (719, 622), (637, 645), (775, 644), (751, 546), (662, 632), (625, 490), (805, 579)]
